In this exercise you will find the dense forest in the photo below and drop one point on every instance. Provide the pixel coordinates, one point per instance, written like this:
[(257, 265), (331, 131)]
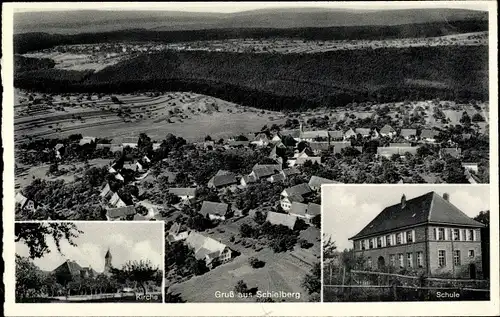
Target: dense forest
[(291, 81), (27, 42)]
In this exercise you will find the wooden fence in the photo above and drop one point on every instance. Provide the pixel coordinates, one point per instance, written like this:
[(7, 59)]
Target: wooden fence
[(398, 287)]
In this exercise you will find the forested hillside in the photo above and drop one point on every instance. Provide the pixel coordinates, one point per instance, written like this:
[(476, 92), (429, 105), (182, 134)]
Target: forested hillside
[(37, 41), (275, 81)]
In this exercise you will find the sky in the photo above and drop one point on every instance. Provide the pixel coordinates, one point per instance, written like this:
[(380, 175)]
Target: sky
[(348, 209), (229, 7), (125, 240)]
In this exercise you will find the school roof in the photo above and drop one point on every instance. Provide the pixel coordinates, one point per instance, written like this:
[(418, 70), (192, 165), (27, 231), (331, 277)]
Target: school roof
[(281, 219), (213, 208), (429, 208), (183, 191), (401, 150), (314, 134), (317, 181)]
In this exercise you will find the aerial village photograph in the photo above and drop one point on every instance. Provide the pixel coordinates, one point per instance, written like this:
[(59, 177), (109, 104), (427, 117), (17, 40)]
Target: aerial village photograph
[(223, 124), (88, 262), (406, 243)]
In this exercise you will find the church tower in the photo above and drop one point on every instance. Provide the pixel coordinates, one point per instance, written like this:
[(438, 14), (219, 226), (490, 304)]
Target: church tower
[(107, 262)]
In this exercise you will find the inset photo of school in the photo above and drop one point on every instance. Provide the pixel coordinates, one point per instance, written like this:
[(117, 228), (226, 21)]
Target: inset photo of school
[(406, 242)]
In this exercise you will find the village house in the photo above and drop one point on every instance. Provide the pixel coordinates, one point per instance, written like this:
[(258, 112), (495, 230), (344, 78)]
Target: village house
[(207, 249), (102, 146), (295, 134), (349, 134), (120, 213), (106, 191), (389, 151), (156, 146), (130, 142), (474, 167), (174, 234), (338, 146), (87, 140), (301, 160), (274, 155), (336, 135), (453, 152), (236, 144), (214, 211), (116, 148), (408, 134), (59, 150), (428, 135), (116, 201), (223, 179), (426, 234), (387, 131), (294, 194), (305, 211), (25, 203), (260, 139), (183, 193), (119, 177), (318, 147), (315, 182), (260, 171), (365, 132), (277, 219), (284, 174), (310, 136), (209, 145), (276, 139)]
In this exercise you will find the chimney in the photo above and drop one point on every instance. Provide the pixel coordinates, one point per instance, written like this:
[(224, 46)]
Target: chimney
[(446, 197), (403, 201)]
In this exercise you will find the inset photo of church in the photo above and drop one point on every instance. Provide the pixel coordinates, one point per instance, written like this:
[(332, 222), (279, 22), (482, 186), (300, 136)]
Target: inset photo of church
[(406, 242), (89, 262)]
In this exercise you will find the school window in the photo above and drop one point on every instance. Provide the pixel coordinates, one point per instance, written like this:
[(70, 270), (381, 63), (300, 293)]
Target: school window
[(471, 234), (379, 242), (442, 258), (371, 243), (420, 260), (471, 254), (409, 260), (393, 260), (440, 234), (398, 238), (388, 240), (369, 262), (362, 244), (409, 237), (456, 234), (456, 257), (401, 260)]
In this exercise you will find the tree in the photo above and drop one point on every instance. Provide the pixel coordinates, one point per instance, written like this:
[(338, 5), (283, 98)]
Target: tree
[(246, 230), (484, 218), (137, 271), (477, 117), (256, 263), (312, 280), (241, 287), (34, 236), (329, 248), (316, 221), (29, 279)]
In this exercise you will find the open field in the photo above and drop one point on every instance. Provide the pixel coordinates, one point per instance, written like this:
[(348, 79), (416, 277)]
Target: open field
[(188, 115), (282, 272)]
